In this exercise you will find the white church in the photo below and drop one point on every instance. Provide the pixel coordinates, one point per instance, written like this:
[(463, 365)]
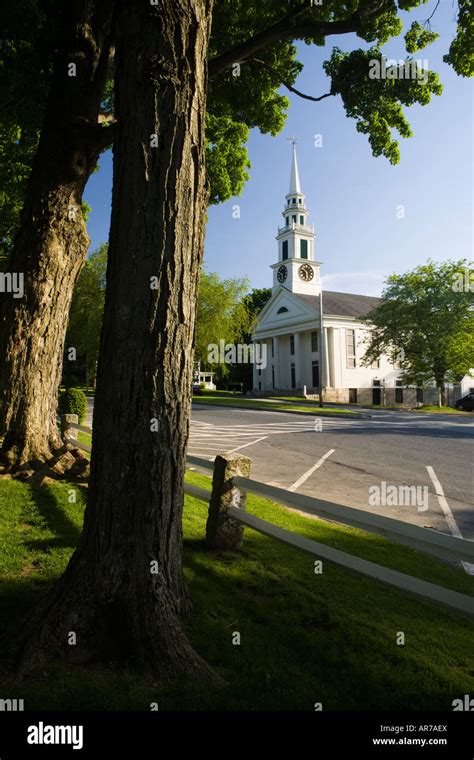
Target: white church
[(306, 348)]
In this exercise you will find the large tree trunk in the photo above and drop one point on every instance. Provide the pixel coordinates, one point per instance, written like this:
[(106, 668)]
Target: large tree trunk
[(52, 241), (121, 604)]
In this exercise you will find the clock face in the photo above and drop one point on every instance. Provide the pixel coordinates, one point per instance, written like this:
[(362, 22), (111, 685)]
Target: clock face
[(282, 274), (306, 272)]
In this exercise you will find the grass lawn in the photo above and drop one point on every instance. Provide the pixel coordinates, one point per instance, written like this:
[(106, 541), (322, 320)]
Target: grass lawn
[(438, 410), (280, 406), (305, 638), (84, 437)]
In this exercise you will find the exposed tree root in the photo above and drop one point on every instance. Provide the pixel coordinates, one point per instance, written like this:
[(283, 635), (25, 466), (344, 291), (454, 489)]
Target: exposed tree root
[(63, 463)]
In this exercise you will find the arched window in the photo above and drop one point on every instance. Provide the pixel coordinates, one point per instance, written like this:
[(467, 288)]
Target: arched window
[(282, 310)]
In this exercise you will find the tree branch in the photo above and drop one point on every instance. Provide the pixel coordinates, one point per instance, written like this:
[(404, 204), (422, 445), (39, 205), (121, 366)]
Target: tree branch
[(292, 27), (290, 86), (95, 137), (427, 22)]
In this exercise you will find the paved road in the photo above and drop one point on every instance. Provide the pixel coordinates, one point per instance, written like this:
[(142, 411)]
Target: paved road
[(341, 459)]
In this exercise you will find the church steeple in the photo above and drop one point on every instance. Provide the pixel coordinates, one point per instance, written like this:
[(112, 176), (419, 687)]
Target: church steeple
[(295, 187), (296, 241)]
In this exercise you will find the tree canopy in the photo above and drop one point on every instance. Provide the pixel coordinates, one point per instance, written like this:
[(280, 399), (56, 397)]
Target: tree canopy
[(221, 314), (252, 55), (426, 322)]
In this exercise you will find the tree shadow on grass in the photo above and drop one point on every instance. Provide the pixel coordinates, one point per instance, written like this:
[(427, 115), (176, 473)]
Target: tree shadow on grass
[(66, 532), (18, 599)]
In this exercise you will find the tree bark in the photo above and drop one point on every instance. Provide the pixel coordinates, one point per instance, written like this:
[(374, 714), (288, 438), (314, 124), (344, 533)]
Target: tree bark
[(124, 591), (52, 242)]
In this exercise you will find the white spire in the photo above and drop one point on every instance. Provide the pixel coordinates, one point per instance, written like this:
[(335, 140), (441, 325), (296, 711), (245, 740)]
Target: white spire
[(294, 176)]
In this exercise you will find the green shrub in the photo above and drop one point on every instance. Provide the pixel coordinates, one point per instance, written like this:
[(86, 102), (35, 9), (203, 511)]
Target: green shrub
[(202, 386), (73, 401)]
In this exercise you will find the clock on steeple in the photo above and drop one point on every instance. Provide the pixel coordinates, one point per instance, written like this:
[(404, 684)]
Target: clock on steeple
[(296, 268)]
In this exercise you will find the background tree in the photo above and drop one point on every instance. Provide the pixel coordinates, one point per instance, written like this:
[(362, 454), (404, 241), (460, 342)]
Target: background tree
[(220, 315), (426, 322), (253, 304), (123, 591), (24, 68), (85, 318)]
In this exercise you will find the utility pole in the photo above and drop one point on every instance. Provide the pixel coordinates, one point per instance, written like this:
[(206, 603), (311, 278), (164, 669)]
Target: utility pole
[(322, 349)]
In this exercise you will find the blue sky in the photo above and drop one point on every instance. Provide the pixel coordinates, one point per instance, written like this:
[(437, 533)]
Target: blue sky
[(352, 197)]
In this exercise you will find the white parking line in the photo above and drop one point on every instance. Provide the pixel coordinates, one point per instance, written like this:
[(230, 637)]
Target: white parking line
[(251, 443), (312, 469), (452, 524)]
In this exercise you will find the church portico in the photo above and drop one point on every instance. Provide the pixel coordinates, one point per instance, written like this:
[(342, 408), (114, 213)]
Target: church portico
[(293, 362)]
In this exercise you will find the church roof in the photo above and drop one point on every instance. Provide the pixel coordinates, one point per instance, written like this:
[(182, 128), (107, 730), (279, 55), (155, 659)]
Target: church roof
[(341, 304)]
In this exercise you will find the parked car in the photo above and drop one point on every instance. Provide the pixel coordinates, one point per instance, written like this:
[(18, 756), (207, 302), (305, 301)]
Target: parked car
[(466, 403), (197, 389)]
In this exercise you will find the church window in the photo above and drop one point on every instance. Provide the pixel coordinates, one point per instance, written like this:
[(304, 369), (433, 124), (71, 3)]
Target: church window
[(294, 218), (375, 364), (282, 310), (350, 349), (304, 249), (284, 250), (292, 344), (315, 375), (301, 219), (299, 200), (293, 375), (293, 200), (273, 348), (314, 342)]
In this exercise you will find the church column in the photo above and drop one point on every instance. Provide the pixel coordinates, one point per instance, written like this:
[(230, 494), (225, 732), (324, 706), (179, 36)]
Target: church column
[(331, 358), (325, 359), (298, 362), (276, 359), (254, 368)]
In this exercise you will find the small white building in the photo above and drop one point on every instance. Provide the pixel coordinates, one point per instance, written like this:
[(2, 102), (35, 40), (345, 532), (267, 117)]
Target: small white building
[(301, 352), (203, 377)]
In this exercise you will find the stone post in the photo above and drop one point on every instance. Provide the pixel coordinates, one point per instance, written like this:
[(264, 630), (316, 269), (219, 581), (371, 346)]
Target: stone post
[(222, 531), (66, 430)]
